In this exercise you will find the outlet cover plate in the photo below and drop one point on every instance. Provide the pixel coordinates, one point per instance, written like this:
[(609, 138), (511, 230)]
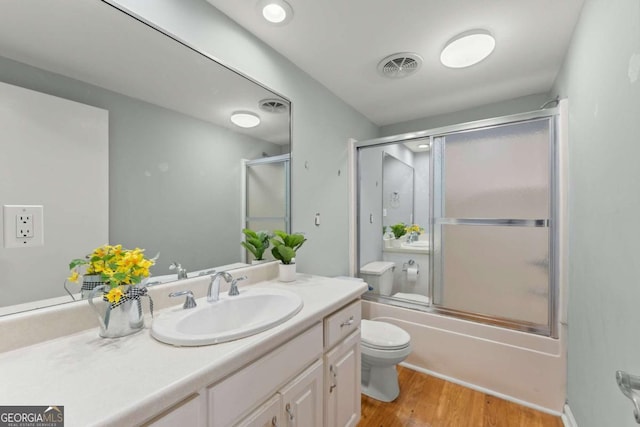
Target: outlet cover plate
[(10, 216)]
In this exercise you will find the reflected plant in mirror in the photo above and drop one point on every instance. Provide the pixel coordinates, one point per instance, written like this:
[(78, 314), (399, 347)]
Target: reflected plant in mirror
[(399, 230), (256, 243)]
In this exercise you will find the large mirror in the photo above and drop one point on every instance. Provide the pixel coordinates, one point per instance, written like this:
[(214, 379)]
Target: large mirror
[(397, 191), (124, 136)]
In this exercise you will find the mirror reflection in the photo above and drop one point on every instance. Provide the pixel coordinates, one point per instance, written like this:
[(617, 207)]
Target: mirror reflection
[(394, 191), (397, 190), (124, 136)]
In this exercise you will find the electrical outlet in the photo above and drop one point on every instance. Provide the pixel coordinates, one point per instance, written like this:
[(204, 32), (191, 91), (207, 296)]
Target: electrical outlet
[(23, 226)]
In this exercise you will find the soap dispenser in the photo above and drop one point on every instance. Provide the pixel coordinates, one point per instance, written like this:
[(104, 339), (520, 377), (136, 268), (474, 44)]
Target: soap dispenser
[(387, 238)]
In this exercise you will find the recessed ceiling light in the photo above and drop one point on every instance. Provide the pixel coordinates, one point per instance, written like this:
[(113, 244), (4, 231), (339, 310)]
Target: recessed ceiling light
[(245, 119), (423, 146), (275, 11), (467, 49)]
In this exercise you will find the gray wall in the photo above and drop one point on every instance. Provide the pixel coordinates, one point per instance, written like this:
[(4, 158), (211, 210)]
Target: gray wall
[(601, 79), (322, 124), (498, 109), (174, 181), (46, 143)]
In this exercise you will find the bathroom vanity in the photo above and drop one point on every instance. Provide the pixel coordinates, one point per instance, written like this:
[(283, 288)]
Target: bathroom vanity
[(303, 372)]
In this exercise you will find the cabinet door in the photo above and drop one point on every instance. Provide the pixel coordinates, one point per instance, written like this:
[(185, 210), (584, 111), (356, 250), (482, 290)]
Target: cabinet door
[(267, 415), (302, 398), (342, 383)]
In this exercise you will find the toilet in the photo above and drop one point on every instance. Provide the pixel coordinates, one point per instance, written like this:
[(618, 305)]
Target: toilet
[(379, 276), (382, 344)]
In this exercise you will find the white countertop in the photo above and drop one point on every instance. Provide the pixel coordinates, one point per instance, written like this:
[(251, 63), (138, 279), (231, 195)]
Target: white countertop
[(128, 380)]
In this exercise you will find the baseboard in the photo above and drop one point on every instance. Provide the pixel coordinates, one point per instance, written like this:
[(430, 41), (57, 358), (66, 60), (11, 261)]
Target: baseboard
[(567, 417), (488, 391)]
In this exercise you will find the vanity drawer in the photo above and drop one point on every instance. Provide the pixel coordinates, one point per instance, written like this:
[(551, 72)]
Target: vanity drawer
[(340, 324)]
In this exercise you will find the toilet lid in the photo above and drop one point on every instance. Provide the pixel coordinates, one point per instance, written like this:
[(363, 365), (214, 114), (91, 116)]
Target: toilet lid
[(383, 335)]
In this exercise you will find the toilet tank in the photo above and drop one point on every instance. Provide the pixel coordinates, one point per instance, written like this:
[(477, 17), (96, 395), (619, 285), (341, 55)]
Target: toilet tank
[(379, 275)]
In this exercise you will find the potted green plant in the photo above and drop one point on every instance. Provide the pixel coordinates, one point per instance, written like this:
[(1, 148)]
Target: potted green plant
[(399, 230), (284, 249), (256, 242)]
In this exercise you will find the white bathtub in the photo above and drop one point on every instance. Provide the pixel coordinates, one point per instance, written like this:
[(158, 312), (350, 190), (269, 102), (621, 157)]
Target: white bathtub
[(521, 367)]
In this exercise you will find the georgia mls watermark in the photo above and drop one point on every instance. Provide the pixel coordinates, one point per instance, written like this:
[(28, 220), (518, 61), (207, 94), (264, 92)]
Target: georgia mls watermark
[(31, 416)]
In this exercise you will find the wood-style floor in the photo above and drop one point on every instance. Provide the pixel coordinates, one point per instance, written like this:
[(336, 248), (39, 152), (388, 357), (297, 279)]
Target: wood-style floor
[(426, 401)]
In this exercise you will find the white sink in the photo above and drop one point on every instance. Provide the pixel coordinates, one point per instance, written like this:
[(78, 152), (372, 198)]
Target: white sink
[(232, 317)]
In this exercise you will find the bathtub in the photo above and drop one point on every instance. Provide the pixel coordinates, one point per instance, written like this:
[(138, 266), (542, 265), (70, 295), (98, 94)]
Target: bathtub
[(521, 367)]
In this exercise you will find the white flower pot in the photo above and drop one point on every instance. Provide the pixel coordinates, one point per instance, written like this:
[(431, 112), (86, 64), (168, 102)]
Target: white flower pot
[(287, 272)]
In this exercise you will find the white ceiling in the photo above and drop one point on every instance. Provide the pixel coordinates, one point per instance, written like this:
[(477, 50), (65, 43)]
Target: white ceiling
[(340, 42)]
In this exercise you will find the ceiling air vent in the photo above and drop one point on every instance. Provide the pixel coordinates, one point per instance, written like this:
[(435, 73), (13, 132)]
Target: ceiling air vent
[(273, 105), (399, 65)]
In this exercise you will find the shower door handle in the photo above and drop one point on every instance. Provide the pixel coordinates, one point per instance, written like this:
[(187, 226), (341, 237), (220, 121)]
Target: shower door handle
[(630, 385)]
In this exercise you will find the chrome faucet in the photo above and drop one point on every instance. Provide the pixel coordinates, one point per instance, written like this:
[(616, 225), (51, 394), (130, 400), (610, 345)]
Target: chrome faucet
[(182, 273), (213, 293)]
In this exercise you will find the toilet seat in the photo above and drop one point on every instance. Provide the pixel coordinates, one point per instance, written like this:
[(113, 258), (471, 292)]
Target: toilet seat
[(383, 336)]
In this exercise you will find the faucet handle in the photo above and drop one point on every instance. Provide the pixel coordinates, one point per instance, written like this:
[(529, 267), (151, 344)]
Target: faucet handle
[(233, 289), (182, 272), (189, 302)]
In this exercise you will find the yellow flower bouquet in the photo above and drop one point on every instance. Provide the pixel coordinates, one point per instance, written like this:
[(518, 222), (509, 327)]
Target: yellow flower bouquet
[(414, 228), (115, 271), (116, 267)]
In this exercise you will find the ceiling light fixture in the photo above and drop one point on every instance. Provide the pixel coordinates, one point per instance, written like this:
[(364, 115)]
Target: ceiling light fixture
[(245, 119), (467, 49), (275, 11), (423, 146)]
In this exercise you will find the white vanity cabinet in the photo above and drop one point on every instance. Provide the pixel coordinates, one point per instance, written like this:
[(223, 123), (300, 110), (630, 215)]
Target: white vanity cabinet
[(298, 404), (288, 380), (324, 363), (342, 367)]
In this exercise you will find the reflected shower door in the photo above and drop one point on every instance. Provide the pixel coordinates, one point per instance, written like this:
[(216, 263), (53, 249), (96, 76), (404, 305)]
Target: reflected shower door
[(492, 209), (267, 198)]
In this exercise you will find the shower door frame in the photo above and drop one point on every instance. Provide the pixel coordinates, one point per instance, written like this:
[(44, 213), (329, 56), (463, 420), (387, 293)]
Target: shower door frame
[(245, 163), (551, 329)]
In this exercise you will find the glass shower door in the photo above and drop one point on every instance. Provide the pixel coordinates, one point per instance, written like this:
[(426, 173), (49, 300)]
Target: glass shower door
[(267, 199), (492, 206)]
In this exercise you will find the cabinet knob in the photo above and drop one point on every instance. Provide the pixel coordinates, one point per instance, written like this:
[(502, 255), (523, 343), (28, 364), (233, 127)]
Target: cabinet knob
[(333, 378), (289, 411)]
